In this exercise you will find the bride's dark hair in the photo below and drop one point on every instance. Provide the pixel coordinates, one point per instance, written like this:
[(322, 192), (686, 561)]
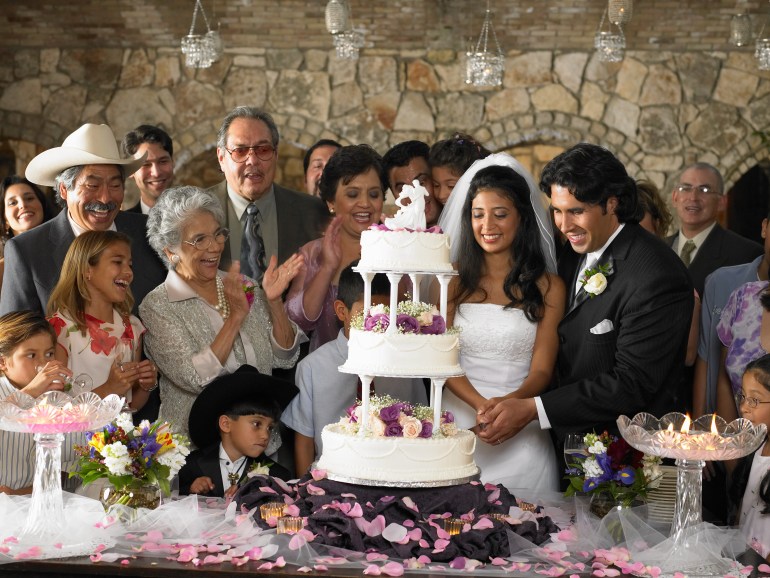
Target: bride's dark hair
[(520, 284)]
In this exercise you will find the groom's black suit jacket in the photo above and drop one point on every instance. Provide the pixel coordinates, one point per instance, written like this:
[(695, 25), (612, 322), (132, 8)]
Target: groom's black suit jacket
[(638, 364)]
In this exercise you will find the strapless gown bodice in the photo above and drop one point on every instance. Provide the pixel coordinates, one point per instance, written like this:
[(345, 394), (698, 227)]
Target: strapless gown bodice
[(496, 346)]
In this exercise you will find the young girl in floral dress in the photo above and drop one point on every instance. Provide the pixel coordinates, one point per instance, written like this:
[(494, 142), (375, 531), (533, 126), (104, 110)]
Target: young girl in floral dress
[(90, 310)]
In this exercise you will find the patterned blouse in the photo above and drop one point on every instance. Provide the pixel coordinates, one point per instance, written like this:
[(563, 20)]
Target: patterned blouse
[(739, 330), (95, 352)]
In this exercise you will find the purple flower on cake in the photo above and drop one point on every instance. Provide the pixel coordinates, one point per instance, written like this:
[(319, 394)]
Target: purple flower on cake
[(407, 323), (393, 412), (436, 327), (427, 429), (447, 417), (378, 322), (393, 430)]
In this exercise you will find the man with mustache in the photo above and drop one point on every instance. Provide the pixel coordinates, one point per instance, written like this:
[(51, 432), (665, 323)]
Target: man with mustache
[(88, 175), (278, 220)]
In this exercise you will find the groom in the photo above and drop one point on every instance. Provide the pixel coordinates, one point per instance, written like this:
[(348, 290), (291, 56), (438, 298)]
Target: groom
[(622, 344)]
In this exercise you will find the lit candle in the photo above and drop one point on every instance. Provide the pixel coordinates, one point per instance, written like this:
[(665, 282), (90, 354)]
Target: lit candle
[(272, 510), (290, 524), (453, 526)]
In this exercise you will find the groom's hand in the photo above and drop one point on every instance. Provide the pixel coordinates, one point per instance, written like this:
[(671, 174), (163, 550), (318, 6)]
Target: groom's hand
[(505, 419)]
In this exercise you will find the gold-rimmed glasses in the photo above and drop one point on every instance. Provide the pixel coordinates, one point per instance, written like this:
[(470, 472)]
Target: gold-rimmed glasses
[(263, 152), (752, 402), (203, 242)]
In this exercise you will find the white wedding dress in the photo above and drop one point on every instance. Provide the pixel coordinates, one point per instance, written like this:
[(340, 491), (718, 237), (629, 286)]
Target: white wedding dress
[(495, 352)]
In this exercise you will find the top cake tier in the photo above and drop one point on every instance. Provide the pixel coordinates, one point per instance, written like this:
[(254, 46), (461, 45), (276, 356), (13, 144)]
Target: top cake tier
[(404, 251)]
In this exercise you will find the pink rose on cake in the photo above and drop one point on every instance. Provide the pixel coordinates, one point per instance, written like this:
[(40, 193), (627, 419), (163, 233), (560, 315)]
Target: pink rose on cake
[(411, 426), (377, 426)]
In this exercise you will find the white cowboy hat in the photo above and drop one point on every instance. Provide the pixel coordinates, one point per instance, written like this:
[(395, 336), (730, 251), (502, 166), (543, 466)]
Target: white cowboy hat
[(91, 144)]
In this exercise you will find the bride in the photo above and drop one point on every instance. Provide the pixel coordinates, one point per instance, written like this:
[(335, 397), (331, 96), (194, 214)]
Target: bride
[(508, 302)]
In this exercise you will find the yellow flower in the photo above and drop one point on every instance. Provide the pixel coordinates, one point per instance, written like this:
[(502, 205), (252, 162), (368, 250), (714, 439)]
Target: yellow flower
[(97, 441), (165, 441)]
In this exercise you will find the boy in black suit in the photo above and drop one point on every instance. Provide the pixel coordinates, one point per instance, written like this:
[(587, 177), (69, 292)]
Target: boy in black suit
[(233, 423)]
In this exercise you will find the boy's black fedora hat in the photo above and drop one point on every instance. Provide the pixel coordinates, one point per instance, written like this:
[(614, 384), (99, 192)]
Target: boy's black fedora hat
[(222, 393)]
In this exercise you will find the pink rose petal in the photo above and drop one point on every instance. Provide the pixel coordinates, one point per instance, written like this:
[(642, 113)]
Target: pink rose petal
[(458, 563), (280, 562), (320, 568), (498, 561), (304, 569), (393, 569), (394, 533), (372, 556), (315, 490), (318, 475), (124, 562), (483, 524), (409, 503), (764, 568), (440, 545), (372, 570)]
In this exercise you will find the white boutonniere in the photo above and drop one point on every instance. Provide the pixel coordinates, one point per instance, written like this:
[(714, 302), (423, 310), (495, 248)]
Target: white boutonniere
[(259, 469), (595, 279)]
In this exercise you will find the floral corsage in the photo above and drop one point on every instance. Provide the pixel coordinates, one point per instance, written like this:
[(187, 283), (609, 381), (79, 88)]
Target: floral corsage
[(594, 279), (259, 469), (248, 288)]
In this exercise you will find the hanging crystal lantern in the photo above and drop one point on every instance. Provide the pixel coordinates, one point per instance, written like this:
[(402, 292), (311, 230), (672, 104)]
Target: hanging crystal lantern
[(762, 47), (620, 11), (201, 50), (762, 53), (740, 30), (337, 17), (610, 46), (348, 44), (484, 67)]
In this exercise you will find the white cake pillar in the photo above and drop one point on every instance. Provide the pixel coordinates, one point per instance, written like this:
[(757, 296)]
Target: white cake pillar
[(443, 280), (366, 383), (394, 279), (415, 286), (436, 390), (368, 277)]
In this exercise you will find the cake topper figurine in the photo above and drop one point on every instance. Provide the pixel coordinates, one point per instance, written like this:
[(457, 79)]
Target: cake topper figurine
[(412, 214)]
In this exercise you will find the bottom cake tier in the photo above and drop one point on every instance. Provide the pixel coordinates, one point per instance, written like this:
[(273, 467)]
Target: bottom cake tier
[(398, 461)]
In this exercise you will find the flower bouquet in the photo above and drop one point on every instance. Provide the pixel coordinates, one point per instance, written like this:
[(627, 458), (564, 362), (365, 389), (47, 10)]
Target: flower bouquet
[(131, 457), (411, 317), (612, 469), (389, 417)]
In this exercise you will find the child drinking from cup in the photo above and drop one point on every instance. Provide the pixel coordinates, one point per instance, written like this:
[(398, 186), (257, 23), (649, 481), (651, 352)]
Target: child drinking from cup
[(27, 342)]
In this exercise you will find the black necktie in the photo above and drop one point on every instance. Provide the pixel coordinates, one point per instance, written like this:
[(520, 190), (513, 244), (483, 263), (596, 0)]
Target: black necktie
[(252, 246)]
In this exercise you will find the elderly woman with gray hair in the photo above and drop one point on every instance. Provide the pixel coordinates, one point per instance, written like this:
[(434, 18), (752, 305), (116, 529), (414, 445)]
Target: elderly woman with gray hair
[(201, 322)]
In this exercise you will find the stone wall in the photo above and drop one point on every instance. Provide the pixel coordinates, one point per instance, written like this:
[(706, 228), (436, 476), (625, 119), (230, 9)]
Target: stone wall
[(656, 110)]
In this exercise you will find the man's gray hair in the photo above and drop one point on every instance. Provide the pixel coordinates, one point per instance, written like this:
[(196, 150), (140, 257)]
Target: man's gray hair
[(68, 177), (247, 112), (701, 166), (170, 213)]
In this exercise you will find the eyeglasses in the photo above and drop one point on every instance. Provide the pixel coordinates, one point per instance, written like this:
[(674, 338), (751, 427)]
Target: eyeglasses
[(697, 189), (752, 402), (263, 152), (203, 242)]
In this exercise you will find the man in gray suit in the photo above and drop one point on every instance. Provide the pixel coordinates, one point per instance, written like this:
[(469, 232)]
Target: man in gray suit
[(247, 149), (88, 175)]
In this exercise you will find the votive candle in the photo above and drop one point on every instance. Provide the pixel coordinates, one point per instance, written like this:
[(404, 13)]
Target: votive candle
[(290, 524), (272, 510), (453, 526)]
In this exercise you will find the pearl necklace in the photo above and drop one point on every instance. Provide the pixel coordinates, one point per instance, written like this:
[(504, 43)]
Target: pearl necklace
[(222, 305)]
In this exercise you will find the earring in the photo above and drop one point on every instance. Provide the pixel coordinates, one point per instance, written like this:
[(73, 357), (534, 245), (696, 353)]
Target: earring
[(175, 259), (331, 210)]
